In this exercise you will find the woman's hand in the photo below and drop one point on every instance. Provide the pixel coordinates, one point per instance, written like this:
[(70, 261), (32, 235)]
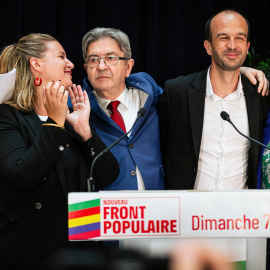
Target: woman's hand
[(79, 118), (56, 101)]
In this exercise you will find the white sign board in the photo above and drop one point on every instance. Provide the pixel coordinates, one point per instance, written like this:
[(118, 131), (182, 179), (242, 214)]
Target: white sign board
[(169, 214)]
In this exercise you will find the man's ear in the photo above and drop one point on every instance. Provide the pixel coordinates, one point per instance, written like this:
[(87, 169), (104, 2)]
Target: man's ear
[(208, 47), (36, 64), (130, 64), (85, 67)]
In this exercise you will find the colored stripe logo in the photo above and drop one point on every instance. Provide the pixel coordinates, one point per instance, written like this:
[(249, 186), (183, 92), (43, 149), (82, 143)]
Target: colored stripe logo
[(84, 220)]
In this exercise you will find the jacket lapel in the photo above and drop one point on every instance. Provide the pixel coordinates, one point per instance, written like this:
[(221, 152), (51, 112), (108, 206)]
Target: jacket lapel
[(35, 124), (33, 121), (253, 109), (196, 101), (149, 101), (253, 112), (59, 167)]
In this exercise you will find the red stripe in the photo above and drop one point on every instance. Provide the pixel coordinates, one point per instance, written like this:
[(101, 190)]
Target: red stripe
[(84, 212), (84, 236)]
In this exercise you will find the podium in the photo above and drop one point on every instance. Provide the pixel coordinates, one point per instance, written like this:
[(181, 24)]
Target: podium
[(170, 215)]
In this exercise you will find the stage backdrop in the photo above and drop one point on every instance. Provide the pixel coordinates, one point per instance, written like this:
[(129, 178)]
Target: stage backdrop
[(166, 36)]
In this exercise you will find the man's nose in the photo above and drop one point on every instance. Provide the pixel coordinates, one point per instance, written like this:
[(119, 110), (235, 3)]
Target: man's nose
[(231, 44), (102, 64)]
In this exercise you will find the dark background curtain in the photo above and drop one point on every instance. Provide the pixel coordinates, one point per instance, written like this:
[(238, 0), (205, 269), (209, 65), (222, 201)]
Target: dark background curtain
[(166, 36)]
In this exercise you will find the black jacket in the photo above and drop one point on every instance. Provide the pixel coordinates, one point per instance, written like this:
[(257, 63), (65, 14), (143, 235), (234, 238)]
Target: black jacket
[(34, 168)]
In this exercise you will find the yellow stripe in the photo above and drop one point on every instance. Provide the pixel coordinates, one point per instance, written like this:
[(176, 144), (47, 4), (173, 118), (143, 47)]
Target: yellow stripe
[(83, 220)]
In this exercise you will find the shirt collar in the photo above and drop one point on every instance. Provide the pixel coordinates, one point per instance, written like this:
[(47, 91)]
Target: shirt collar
[(233, 96), (103, 103)]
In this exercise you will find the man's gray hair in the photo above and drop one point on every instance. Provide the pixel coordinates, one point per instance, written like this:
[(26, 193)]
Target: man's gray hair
[(100, 33)]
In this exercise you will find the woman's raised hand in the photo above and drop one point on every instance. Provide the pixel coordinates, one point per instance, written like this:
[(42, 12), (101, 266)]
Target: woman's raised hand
[(79, 118)]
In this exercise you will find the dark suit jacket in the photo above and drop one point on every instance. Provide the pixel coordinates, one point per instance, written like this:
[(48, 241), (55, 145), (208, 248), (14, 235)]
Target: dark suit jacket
[(34, 186), (181, 112)]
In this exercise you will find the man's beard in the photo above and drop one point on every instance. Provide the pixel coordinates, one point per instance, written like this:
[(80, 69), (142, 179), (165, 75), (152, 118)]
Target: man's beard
[(227, 65)]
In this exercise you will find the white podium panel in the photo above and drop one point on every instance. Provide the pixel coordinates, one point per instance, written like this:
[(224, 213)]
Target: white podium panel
[(169, 214), (151, 220)]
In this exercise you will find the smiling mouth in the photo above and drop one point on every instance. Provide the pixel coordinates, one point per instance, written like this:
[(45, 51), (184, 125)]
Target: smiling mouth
[(69, 72), (230, 55)]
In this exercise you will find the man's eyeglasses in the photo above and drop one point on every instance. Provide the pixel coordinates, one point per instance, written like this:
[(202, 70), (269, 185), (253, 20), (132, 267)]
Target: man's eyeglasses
[(93, 61)]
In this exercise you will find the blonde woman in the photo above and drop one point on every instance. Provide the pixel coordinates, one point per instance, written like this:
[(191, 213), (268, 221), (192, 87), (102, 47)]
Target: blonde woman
[(45, 152)]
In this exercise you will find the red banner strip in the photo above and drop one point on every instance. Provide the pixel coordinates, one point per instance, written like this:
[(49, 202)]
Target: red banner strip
[(84, 213)]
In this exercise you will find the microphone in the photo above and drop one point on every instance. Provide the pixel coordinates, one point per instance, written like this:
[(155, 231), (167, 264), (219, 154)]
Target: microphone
[(225, 116), (90, 180)]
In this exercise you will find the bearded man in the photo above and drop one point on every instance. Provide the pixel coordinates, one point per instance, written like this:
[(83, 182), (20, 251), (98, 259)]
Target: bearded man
[(199, 150)]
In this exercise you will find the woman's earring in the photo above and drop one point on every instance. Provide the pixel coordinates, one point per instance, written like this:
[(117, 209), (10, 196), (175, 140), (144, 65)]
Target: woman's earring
[(38, 81)]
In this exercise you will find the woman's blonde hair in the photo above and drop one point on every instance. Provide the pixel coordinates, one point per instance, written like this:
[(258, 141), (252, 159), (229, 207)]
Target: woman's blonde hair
[(18, 56)]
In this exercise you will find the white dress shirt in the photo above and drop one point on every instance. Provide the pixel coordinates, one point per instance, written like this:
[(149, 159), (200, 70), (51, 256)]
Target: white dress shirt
[(131, 101), (223, 157)]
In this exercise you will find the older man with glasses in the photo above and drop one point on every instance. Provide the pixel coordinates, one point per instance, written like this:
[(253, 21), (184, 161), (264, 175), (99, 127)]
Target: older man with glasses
[(116, 97)]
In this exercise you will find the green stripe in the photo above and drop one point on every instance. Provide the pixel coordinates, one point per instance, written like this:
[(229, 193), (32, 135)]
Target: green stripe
[(83, 205), (240, 265)]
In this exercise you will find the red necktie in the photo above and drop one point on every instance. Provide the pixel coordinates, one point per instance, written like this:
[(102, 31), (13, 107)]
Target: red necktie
[(116, 115)]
